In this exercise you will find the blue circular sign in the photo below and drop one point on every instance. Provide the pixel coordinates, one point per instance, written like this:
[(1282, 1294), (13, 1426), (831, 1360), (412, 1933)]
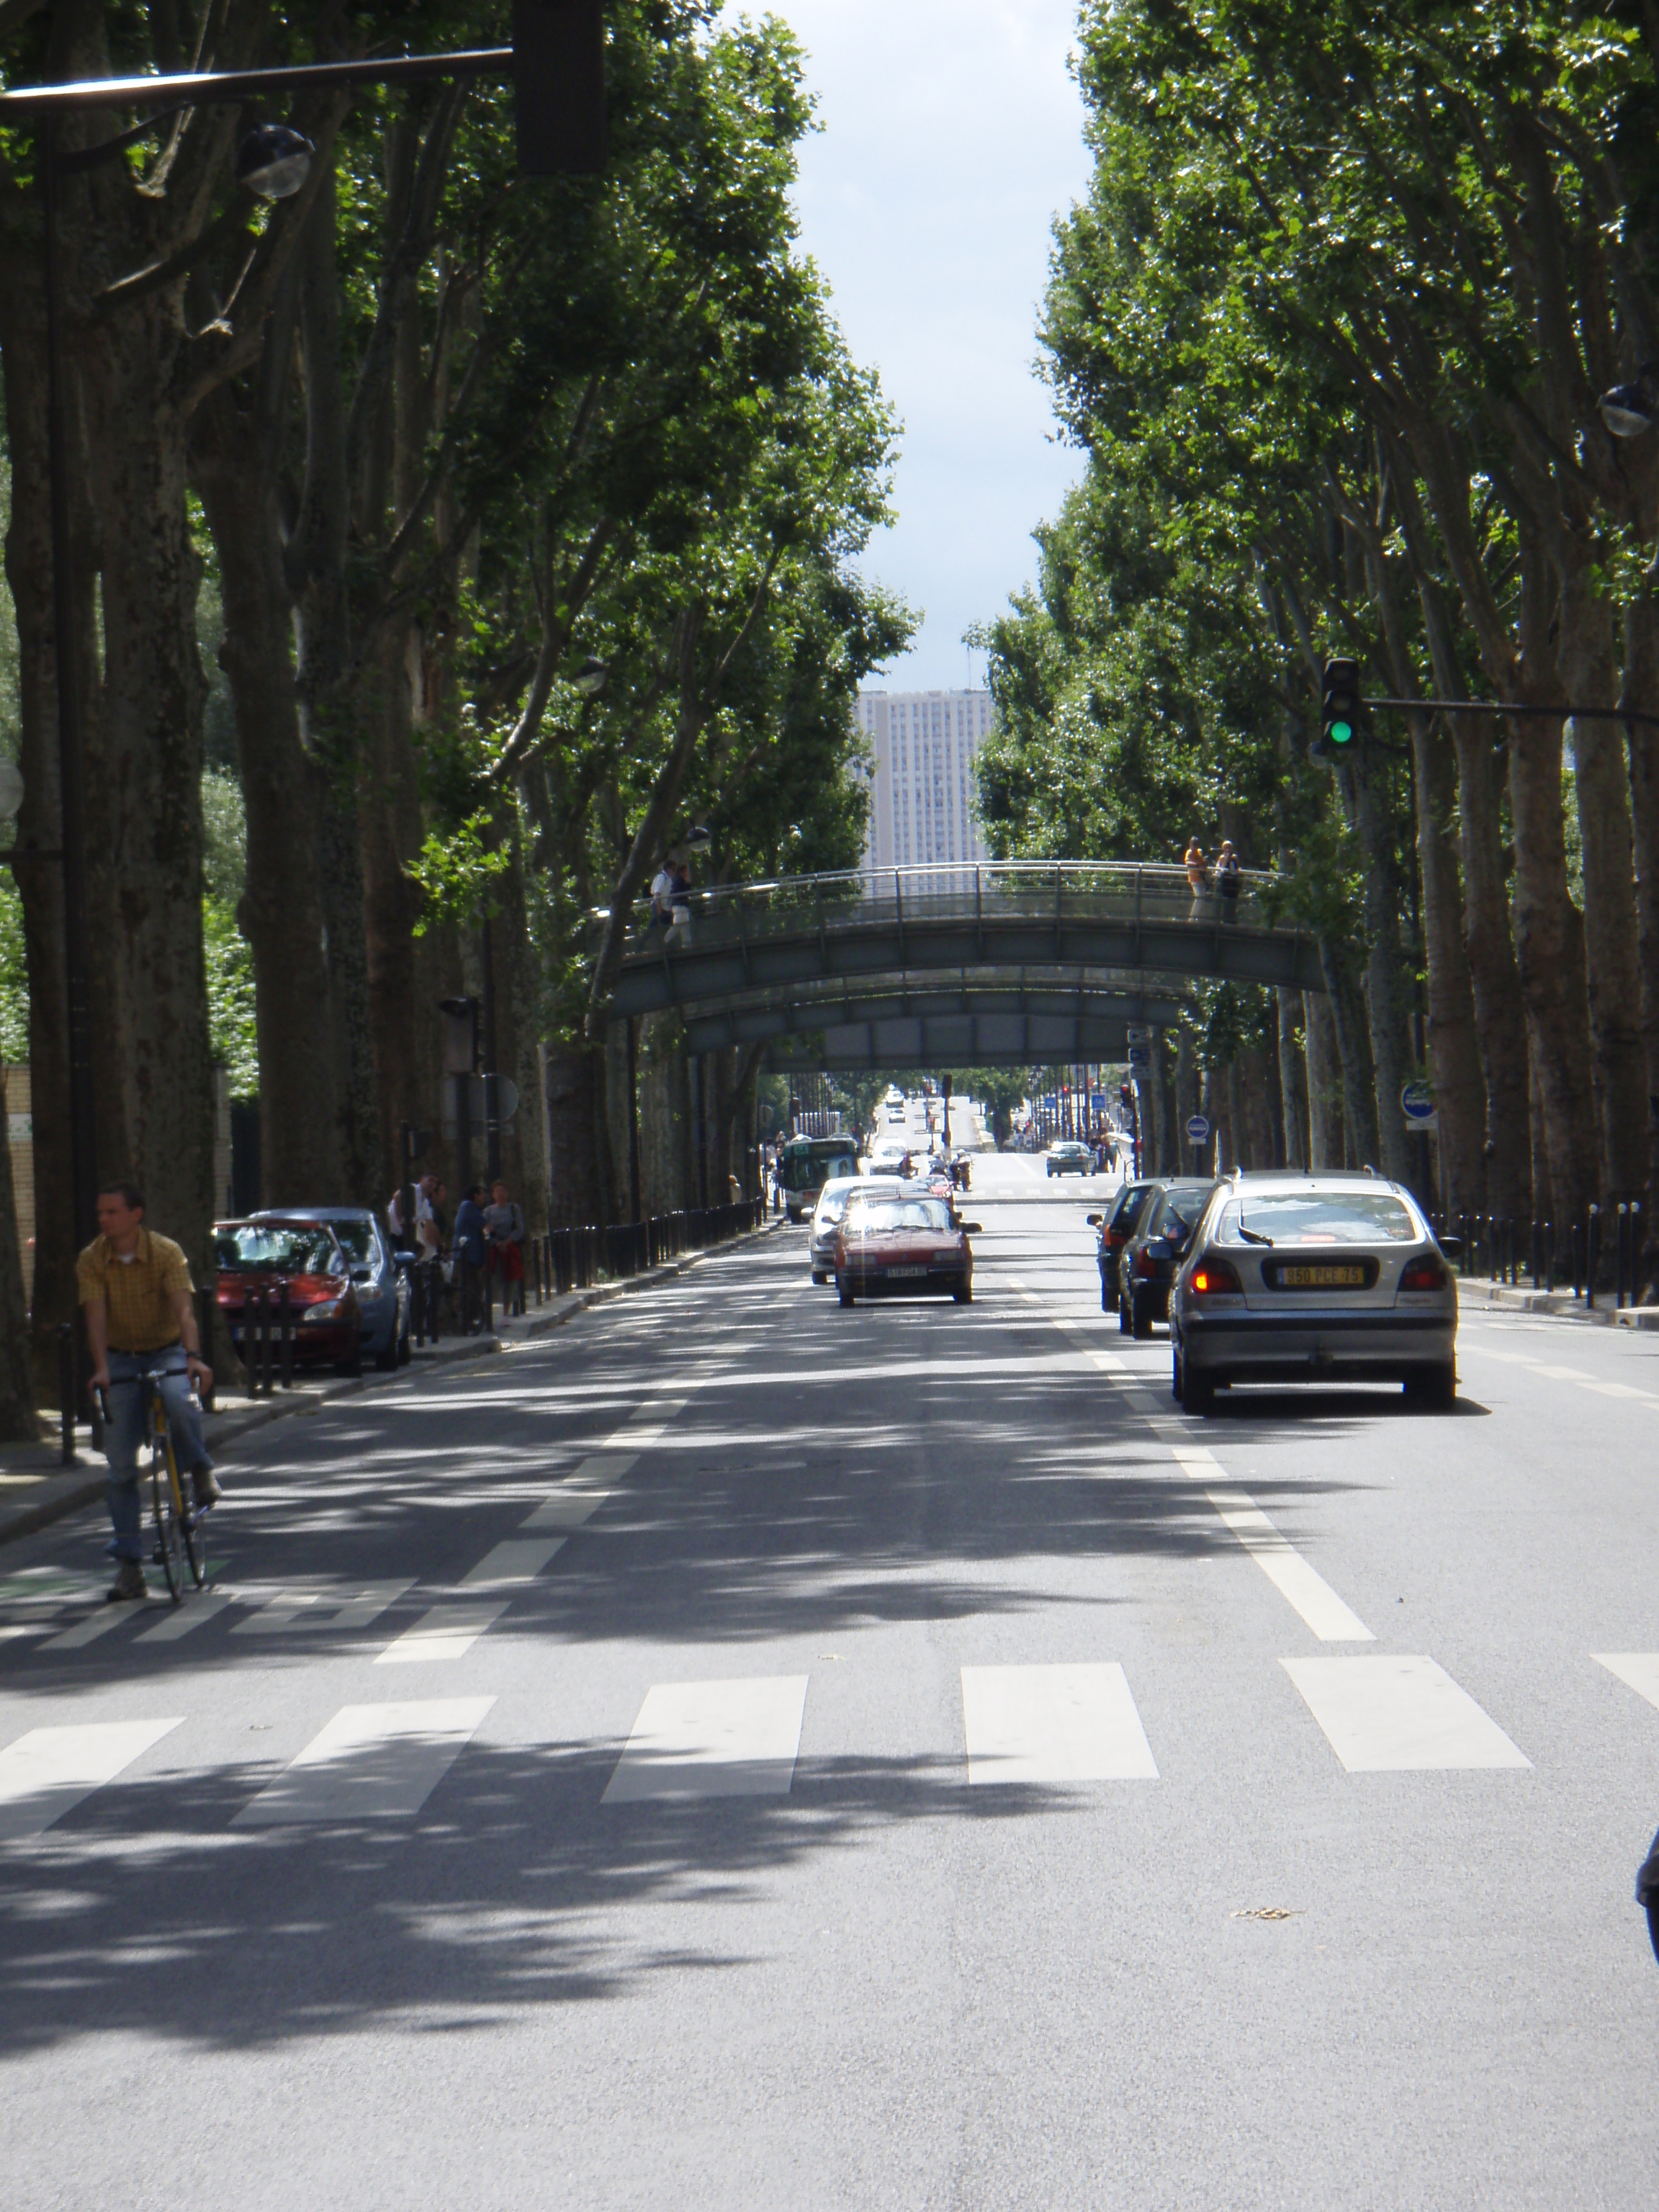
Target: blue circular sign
[(1198, 1131)]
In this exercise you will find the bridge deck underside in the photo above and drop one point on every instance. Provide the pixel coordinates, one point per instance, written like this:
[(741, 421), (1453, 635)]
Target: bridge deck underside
[(732, 954)]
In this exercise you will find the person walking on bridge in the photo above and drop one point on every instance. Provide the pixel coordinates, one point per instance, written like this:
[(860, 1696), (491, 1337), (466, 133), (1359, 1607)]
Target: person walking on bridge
[(1198, 875)]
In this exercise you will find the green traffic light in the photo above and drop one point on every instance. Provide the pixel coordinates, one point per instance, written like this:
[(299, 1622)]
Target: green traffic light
[(1342, 734)]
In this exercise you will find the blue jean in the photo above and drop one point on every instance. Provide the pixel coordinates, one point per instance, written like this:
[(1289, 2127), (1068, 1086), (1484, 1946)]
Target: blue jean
[(129, 1414)]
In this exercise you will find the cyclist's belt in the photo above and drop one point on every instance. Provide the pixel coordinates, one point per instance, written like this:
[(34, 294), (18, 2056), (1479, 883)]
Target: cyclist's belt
[(150, 1351)]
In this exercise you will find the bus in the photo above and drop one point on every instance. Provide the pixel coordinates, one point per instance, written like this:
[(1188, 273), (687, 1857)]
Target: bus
[(809, 1162)]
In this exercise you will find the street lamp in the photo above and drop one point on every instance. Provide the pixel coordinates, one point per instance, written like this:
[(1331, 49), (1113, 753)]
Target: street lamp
[(274, 162), (1629, 409)]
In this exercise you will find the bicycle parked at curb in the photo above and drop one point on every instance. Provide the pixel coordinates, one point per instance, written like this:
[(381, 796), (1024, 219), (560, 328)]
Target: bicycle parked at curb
[(181, 1535)]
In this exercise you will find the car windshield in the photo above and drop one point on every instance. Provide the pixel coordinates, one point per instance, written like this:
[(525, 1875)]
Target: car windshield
[(1320, 1216), (834, 1201), (358, 1241), (877, 1215), (275, 1249)]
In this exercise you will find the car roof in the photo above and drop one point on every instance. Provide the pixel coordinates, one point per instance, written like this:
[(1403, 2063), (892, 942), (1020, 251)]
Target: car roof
[(1314, 1179), (314, 1213), (274, 1220)]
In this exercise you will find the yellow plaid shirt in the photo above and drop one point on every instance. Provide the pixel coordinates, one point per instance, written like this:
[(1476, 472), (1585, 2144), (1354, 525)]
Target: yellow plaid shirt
[(138, 1293)]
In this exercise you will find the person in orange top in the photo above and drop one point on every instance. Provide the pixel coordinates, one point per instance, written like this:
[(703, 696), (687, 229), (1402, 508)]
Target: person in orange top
[(140, 1308)]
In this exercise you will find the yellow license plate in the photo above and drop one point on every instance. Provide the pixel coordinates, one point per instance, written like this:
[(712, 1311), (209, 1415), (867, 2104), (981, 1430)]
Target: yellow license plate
[(1322, 1278)]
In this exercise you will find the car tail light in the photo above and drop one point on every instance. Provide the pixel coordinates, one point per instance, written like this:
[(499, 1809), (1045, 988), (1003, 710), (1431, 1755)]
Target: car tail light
[(1144, 1264), (1424, 1274), (1214, 1278)]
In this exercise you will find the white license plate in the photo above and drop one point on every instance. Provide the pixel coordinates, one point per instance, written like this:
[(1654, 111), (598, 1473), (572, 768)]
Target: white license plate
[(891, 1272)]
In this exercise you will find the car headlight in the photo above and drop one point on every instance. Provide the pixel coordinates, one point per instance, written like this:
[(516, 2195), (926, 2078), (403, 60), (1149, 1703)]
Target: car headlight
[(325, 1309)]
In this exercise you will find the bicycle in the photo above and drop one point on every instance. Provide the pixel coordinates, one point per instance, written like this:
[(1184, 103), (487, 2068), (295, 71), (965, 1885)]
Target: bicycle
[(180, 1537)]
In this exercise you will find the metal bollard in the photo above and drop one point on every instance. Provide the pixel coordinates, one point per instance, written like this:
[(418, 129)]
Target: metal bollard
[(1592, 1256), (1578, 1260), (1549, 1258), (66, 1390), (1620, 1246), (285, 1331)]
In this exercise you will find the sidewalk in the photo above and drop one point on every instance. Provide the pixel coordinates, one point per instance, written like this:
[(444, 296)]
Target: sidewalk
[(1558, 1305), (36, 1489)]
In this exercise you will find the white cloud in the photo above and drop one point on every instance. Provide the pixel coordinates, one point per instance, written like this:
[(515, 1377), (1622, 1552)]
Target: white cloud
[(952, 136)]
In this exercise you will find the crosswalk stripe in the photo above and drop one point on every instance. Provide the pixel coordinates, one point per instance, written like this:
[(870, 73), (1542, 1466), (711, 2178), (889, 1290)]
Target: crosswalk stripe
[(1637, 1670), (566, 1509), (371, 1762), (94, 1625), (1393, 1714), (1299, 1584), (183, 1619), (444, 1631), (48, 1772), (733, 1739), (290, 1611), (1054, 1724), (605, 1467), (515, 1561)]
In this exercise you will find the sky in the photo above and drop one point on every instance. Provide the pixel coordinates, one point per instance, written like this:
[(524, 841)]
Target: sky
[(952, 136)]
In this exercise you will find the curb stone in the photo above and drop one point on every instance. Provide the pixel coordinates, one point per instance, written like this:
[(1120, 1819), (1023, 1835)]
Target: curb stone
[(59, 1495), (1555, 1305)]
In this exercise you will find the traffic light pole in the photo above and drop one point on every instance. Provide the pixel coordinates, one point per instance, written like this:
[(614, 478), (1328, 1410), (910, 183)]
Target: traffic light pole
[(1567, 713)]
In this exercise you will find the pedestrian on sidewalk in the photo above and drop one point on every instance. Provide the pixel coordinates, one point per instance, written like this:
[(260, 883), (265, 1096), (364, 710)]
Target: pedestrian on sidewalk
[(422, 1210), (140, 1308), (504, 1234), (469, 1249)]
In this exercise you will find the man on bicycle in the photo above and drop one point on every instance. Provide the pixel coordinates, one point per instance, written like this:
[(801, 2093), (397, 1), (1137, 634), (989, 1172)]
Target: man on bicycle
[(139, 1304)]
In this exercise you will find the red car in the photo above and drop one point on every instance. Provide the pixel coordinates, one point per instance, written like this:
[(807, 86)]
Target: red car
[(907, 1245), (255, 1256)]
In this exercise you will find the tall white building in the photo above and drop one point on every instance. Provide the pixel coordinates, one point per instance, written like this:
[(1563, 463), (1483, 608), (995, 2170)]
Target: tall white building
[(920, 799)]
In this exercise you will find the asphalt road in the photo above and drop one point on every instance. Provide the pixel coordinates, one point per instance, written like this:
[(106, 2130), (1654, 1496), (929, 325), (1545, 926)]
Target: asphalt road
[(743, 1754)]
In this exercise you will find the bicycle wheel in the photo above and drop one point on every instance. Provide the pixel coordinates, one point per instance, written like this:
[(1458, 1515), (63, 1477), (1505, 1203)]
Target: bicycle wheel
[(169, 1530)]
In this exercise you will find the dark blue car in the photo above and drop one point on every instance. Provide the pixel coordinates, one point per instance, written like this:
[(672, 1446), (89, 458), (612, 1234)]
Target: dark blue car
[(382, 1285)]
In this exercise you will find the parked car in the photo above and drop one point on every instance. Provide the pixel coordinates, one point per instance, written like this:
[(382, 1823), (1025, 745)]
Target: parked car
[(1116, 1227), (1068, 1157), (307, 1256), (378, 1271), (910, 1244), (1313, 1278), (1146, 1264)]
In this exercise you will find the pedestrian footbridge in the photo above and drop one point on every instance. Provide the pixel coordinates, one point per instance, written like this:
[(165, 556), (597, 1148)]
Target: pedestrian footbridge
[(1018, 962)]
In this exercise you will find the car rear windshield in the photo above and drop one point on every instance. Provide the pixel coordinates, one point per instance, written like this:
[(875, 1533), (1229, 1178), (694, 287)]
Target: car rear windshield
[(1181, 1209), (1130, 1207), (276, 1251), (806, 1170), (877, 1214), (1322, 1217)]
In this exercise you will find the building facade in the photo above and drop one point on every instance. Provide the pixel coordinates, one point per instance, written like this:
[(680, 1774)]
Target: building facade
[(921, 788)]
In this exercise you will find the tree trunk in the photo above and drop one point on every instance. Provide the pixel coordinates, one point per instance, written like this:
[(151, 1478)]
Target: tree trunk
[(1292, 1077), (1387, 1005), (302, 1158), (1326, 1145), (1453, 1052), (1642, 694), (19, 1422), (1354, 1049), (576, 1116)]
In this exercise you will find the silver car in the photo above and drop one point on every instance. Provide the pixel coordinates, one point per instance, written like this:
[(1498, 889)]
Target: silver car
[(1313, 1278), (832, 1204)]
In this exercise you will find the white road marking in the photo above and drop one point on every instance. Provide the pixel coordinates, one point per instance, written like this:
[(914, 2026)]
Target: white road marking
[(1054, 1724), (1637, 1670), (518, 1560), (1391, 1714), (293, 1610), (713, 1740), (1299, 1583), (180, 1621), (371, 1762), (566, 1509), (114, 1615), (605, 1467), (443, 1632), (49, 1769)]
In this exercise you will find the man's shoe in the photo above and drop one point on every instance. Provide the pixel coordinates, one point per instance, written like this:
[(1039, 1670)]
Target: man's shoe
[(129, 1581), (208, 1491)]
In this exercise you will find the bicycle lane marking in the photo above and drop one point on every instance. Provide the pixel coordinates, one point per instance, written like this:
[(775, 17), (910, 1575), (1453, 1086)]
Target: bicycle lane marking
[(1298, 1582)]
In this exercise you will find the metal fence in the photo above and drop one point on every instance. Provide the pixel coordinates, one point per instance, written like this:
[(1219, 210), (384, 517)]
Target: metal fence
[(1599, 1253)]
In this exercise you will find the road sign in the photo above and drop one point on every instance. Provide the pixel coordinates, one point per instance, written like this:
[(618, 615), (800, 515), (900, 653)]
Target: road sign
[(1417, 1104), (1198, 1132), (1140, 1056), (1137, 1033)]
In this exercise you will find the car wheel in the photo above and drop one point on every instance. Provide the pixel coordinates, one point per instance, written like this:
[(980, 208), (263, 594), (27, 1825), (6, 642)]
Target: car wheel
[(1197, 1391), (1122, 1315), (1107, 1301), (353, 1362), (819, 1275), (1433, 1389), (1176, 1378), (1141, 1316), (847, 1296), (964, 1296), (405, 1350)]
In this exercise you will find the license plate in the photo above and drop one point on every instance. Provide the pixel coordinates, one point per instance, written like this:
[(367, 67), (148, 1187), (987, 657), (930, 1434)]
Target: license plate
[(904, 1271), (1321, 1279)]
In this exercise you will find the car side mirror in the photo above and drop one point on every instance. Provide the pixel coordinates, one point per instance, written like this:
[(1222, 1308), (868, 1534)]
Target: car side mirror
[(1452, 1247), (970, 1228), (402, 1258), (1094, 1221), (1159, 1248)]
